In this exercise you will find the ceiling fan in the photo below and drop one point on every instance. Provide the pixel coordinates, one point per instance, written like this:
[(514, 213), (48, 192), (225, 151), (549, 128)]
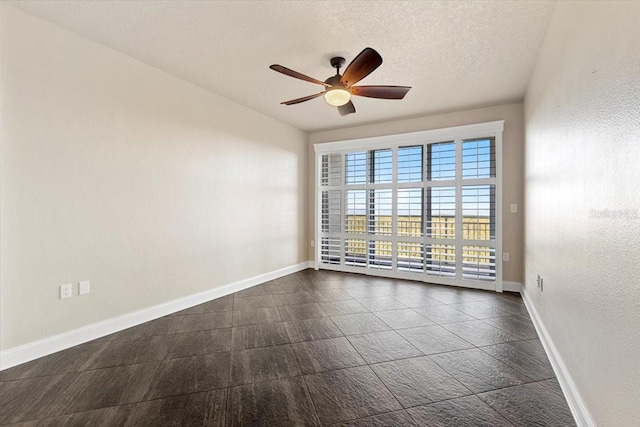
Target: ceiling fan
[(339, 88)]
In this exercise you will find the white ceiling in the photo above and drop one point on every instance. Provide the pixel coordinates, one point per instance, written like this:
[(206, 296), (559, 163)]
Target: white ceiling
[(455, 55)]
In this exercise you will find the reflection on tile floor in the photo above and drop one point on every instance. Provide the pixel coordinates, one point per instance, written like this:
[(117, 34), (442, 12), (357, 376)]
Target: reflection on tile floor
[(309, 349)]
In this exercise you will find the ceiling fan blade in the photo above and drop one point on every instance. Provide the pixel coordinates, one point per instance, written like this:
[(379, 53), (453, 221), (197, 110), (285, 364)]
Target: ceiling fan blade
[(362, 65), (347, 108), (299, 100), (297, 75), (384, 92)]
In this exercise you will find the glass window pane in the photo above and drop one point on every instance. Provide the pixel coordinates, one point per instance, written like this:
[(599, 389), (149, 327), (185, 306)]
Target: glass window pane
[(410, 164), (381, 166), (410, 212), (440, 260), (331, 201), (410, 257), (355, 252), (331, 173), (440, 212), (380, 204), (479, 212), (330, 250), (479, 263), (356, 211), (441, 161), (478, 158), (356, 168), (380, 253)]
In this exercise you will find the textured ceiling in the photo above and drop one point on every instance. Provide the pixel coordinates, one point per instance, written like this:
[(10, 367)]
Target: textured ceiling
[(455, 55)]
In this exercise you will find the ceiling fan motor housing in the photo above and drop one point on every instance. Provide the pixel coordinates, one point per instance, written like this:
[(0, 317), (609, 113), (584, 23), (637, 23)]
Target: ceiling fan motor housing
[(334, 81), (337, 62)]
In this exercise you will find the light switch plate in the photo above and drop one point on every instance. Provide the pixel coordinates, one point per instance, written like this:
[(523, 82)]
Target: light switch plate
[(514, 208), (84, 287)]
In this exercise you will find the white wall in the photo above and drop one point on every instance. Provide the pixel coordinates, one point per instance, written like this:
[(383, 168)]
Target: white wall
[(115, 172), (513, 164), (583, 201)]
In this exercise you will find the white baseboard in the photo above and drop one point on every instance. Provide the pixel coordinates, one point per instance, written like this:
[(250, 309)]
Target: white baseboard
[(574, 399), (511, 286), (36, 349)]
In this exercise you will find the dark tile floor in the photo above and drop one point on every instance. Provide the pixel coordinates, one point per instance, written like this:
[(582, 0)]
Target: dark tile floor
[(312, 348)]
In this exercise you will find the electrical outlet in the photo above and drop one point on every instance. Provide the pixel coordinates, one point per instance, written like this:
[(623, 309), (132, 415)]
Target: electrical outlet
[(65, 291), (505, 256), (84, 287), (514, 208), (313, 243)]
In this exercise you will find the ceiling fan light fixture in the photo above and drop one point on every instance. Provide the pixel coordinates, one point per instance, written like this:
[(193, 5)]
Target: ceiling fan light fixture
[(337, 96), (338, 88)]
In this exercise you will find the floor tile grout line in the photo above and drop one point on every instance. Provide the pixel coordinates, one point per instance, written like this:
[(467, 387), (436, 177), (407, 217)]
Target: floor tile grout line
[(450, 374), (230, 370), (151, 381), (374, 313), (432, 361), (101, 368), (133, 414), (458, 335), (507, 342), (268, 379), (494, 409), (499, 361), (172, 396), (471, 392), (304, 380), (263, 381), (313, 403), (376, 374), (364, 418), (512, 368)]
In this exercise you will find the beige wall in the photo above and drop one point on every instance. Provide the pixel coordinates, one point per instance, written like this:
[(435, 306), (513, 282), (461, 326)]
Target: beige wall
[(583, 202), (512, 150), (115, 172)]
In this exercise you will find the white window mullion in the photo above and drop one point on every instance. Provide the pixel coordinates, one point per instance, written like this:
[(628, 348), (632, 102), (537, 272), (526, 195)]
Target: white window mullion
[(394, 211), (318, 207), (498, 240), (425, 183), (368, 207), (343, 208), (459, 212)]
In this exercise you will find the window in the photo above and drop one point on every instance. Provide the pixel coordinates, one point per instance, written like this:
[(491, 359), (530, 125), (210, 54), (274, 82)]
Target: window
[(331, 202), (478, 158), (423, 205), (380, 210), (356, 212), (356, 167), (381, 167), (410, 164), (440, 212), (409, 205), (441, 161)]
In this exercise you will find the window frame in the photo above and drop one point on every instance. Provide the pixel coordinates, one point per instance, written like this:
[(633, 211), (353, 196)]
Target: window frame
[(457, 134)]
